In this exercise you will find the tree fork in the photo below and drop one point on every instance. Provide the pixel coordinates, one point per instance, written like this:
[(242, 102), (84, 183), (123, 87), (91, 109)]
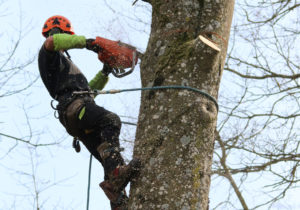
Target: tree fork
[(175, 133)]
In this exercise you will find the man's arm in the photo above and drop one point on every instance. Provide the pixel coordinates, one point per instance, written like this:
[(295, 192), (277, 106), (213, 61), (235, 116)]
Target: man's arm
[(99, 81), (101, 78), (66, 41), (59, 42)]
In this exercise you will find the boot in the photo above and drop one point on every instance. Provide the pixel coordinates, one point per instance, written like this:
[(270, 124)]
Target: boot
[(118, 200), (117, 181), (120, 206), (122, 175)]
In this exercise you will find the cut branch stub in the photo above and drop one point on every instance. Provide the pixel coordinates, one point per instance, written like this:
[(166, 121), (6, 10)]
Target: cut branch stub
[(209, 43)]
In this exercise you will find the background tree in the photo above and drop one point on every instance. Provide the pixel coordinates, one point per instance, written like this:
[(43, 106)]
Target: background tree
[(19, 157), (257, 148), (14, 76)]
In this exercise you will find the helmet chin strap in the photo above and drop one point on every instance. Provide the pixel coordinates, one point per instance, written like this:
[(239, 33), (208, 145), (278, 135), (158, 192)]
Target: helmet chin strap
[(67, 54)]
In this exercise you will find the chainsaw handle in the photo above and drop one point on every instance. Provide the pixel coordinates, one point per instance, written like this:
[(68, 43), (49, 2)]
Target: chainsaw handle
[(125, 73)]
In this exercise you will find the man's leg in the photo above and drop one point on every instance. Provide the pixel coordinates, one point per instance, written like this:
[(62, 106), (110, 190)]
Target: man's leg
[(102, 140), (117, 173)]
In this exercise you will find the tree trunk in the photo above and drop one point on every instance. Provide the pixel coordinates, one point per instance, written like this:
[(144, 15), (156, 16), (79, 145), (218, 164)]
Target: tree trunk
[(175, 133)]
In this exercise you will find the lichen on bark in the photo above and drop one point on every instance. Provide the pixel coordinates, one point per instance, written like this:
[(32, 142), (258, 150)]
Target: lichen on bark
[(175, 134)]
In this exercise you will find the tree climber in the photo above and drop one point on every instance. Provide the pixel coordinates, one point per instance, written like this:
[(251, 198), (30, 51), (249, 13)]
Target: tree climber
[(96, 127)]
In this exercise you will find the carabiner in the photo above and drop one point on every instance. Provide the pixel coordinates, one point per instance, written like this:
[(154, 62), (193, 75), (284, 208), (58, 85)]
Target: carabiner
[(51, 104), (56, 115)]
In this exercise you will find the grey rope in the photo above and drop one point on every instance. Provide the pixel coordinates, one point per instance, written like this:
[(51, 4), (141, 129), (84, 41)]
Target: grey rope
[(97, 92), (89, 183)]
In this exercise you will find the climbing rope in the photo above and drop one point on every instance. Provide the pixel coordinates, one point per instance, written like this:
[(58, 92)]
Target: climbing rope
[(89, 183), (98, 92)]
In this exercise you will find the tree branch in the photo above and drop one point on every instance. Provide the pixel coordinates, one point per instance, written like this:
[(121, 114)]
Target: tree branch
[(25, 141), (228, 175)]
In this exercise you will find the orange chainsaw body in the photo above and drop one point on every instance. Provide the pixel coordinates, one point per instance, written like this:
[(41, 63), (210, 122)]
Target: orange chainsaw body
[(117, 54)]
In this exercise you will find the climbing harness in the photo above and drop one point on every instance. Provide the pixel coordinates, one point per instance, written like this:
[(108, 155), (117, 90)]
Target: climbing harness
[(98, 92)]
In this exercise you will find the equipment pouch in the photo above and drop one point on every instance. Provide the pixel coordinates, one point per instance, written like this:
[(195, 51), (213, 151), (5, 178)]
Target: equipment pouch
[(71, 116)]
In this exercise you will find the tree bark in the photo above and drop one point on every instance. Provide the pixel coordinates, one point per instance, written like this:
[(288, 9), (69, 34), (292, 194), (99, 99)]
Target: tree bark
[(175, 133)]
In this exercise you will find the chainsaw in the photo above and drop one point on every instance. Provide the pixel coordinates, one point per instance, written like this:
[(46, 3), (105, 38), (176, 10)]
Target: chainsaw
[(120, 56)]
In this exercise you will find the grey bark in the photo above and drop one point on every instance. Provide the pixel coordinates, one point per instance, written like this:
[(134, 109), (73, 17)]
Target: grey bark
[(175, 133)]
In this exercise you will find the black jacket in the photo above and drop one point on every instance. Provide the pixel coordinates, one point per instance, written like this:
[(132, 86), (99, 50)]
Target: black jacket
[(59, 74)]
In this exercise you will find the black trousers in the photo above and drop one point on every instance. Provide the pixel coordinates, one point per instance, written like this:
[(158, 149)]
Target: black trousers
[(96, 126)]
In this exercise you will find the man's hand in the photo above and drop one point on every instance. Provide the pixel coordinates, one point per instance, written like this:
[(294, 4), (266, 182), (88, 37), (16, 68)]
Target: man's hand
[(107, 69), (90, 45)]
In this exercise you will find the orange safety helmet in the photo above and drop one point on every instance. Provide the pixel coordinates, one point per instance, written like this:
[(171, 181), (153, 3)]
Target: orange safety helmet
[(57, 21)]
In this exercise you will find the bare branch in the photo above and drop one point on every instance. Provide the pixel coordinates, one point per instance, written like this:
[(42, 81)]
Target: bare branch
[(26, 141)]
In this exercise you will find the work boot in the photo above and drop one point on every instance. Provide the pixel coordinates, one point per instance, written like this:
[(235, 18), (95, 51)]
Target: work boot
[(118, 200), (121, 203), (118, 180), (121, 175)]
